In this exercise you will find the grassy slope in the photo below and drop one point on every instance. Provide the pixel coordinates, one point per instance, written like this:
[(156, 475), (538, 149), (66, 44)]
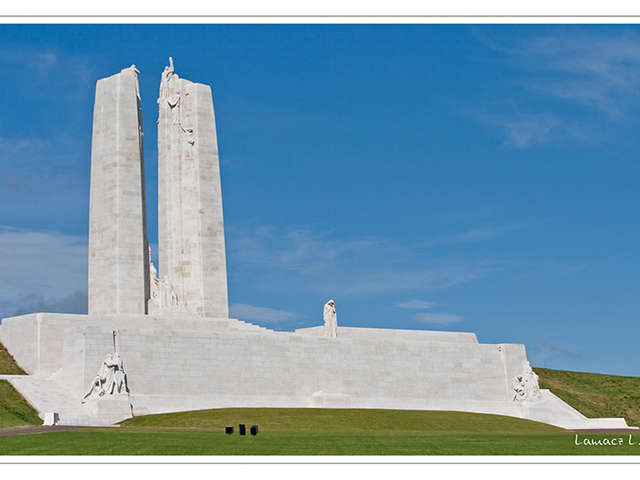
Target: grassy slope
[(14, 410), (8, 365), (595, 395)]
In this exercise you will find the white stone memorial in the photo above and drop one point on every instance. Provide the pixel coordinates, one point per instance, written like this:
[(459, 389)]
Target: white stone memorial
[(162, 341)]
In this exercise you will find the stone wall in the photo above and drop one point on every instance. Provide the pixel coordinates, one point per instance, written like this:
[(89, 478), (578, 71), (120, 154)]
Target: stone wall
[(181, 362), (176, 370), (394, 334)]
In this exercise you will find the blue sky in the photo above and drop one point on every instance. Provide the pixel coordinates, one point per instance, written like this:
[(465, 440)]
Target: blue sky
[(469, 178)]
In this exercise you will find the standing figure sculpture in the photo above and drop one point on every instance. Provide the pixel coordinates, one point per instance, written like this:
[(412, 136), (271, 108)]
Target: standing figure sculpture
[(330, 320)]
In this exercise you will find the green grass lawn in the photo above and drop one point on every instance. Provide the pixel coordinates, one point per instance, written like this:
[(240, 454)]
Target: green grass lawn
[(595, 395), (317, 432), (14, 410)]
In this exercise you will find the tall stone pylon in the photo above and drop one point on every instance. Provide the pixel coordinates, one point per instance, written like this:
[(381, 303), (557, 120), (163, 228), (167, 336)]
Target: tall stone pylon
[(118, 260), (191, 242)]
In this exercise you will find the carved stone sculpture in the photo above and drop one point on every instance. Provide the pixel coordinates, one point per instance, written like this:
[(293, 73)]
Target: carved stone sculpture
[(526, 386), (111, 378), (163, 297), (330, 320)]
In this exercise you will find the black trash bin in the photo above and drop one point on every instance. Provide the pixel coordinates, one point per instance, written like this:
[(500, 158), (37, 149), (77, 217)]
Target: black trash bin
[(242, 430), (254, 429), (228, 430)]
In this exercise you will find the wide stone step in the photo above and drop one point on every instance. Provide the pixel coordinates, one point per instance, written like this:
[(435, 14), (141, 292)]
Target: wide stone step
[(47, 395)]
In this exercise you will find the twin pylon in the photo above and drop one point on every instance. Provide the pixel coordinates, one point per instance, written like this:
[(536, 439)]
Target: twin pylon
[(192, 274)]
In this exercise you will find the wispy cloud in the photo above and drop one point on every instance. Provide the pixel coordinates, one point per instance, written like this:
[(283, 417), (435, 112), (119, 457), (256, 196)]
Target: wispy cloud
[(29, 162), (437, 318), (38, 61), (475, 234), (416, 279), (544, 350), (328, 265), (522, 130), (298, 249), (35, 67), (39, 267), (242, 311), (596, 71), (415, 304)]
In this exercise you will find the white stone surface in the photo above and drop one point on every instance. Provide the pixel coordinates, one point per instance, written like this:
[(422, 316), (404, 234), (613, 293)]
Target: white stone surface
[(393, 334), (192, 259), (118, 267), (181, 363)]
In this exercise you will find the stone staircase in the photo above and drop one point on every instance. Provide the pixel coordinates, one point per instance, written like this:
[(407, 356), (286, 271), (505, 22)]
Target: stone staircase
[(45, 394), (246, 326)]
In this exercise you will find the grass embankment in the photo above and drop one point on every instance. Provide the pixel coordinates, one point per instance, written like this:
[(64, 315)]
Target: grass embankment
[(14, 410), (317, 432), (8, 365), (594, 394)]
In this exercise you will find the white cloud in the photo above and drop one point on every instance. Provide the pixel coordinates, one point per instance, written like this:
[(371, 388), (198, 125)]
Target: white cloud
[(437, 318), (522, 130), (415, 304), (40, 265), (242, 311)]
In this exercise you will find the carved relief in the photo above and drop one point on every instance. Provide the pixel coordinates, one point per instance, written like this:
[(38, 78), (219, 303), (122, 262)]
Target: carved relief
[(111, 378), (170, 93), (525, 386), (163, 297)]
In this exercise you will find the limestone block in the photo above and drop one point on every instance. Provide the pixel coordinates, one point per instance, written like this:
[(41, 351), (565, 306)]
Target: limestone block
[(118, 266), (51, 418), (111, 409), (190, 224)]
